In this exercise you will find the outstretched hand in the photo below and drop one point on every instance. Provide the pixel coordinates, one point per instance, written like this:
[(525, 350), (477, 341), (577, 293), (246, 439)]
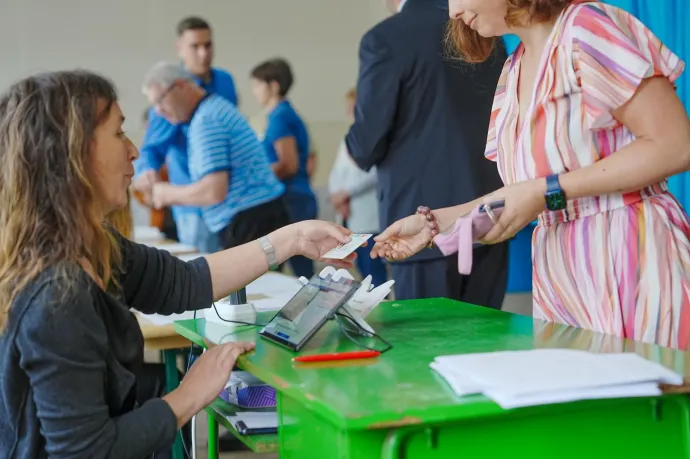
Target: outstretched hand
[(315, 238), (403, 239)]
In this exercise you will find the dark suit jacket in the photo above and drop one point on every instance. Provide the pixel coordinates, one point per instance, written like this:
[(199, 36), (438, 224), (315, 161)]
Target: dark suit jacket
[(421, 116)]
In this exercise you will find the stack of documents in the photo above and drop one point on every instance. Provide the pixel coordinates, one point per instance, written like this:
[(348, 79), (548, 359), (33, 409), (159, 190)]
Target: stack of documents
[(544, 376)]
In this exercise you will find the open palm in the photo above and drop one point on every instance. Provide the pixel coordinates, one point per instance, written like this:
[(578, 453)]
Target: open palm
[(402, 239)]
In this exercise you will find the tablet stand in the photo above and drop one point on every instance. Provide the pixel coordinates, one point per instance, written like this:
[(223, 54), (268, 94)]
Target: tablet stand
[(353, 322)]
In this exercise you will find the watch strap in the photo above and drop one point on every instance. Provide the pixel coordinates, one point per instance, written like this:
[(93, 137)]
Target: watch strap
[(552, 184), (269, 252)]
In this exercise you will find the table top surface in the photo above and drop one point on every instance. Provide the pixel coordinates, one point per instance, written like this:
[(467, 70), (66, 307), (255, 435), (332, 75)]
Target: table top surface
[(399, 388)]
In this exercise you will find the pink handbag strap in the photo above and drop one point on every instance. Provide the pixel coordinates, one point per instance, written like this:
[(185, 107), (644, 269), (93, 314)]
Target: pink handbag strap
[(459, 239)]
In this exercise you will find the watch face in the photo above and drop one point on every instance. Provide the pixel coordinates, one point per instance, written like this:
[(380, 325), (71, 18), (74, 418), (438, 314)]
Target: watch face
[(556, 201)]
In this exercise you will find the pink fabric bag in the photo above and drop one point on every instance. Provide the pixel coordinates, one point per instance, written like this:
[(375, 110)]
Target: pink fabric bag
[(462, 237)]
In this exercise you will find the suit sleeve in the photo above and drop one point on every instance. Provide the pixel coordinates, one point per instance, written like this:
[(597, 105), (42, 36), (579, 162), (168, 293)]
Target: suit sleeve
[(378, 87)]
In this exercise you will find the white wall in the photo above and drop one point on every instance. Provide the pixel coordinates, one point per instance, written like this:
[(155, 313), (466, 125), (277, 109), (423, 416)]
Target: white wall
[(122, 39)]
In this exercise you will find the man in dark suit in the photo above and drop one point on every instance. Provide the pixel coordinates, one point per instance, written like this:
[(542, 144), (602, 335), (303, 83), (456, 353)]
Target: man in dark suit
[(422, 118)]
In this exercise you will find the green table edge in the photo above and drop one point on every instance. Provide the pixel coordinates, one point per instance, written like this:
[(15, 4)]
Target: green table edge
[(475, 406)]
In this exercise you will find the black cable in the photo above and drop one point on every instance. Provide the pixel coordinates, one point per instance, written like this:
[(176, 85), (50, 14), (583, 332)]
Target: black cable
[(357, 342), (239, 322)]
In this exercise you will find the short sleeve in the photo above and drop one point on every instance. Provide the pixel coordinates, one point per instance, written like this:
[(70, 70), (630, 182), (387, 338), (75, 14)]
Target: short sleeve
[(491, 151), (209, 147), (613, 52), (278, 127)]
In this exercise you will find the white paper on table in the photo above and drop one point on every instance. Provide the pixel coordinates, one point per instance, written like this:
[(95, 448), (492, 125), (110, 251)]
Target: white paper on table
[(274, 284), (161, 320), (539, 371), (507, 401), (143, 234), (462, 384), (271, 302)]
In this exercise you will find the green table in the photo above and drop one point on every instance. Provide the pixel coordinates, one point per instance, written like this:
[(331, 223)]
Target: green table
[(396, 406)]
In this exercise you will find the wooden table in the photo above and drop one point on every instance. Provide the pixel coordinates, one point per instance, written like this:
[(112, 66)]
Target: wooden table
[(395, 406)]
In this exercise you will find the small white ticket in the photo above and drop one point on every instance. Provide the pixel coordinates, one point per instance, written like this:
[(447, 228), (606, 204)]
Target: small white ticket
[(343, 250)]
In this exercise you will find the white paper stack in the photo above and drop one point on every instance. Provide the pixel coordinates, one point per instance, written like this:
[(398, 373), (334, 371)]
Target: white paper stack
[(544, 376)]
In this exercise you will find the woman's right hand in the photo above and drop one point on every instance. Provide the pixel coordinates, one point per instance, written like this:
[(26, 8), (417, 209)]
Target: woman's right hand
[(403, 238), (205, 380)]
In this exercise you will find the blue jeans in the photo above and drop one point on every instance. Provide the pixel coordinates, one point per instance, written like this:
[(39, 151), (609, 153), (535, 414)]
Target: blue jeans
[(367, 265), (192, 230)]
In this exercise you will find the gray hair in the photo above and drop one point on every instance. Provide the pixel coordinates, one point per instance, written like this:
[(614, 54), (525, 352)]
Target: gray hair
[(164, 74)]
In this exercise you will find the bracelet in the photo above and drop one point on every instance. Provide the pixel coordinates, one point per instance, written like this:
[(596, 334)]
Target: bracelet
[(431, 222), (270, 253)]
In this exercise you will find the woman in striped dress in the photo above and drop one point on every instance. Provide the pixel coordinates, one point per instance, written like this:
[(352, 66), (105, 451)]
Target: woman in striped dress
[(586, 123)]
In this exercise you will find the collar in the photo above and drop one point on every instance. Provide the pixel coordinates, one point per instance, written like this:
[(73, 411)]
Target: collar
[(402, 5)]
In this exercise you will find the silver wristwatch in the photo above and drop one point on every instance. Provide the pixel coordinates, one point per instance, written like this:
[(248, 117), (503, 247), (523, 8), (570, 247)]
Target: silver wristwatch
[(270, 253)]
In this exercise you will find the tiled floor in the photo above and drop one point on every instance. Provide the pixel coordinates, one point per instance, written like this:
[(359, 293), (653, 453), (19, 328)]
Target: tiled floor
[(516, 303)]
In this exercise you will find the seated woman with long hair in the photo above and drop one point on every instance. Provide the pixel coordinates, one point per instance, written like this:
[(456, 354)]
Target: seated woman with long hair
[(69, 343)]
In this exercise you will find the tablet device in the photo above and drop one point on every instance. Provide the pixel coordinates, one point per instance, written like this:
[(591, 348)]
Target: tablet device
[(244, 430), (306, 312)]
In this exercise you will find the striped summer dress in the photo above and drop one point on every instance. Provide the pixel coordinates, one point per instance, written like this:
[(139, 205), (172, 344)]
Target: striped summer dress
[(617, 264)]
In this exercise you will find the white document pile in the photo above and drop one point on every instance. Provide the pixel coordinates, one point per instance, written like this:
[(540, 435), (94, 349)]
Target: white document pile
[(516, 379)]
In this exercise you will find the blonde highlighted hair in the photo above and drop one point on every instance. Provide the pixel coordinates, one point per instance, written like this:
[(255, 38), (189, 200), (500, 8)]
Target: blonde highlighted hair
[(50, 215)]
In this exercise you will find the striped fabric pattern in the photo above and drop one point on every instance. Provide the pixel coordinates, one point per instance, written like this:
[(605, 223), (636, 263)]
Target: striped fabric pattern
[(220, 139), (620, 263)]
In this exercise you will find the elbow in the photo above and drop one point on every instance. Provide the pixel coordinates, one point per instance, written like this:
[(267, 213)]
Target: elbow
[(215, 195), (365, 158)]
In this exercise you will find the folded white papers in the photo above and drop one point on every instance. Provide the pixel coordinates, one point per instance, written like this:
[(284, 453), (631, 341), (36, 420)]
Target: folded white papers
[(544, 376)]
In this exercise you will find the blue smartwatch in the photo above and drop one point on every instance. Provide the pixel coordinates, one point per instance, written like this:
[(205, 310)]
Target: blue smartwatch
[(555, 197)]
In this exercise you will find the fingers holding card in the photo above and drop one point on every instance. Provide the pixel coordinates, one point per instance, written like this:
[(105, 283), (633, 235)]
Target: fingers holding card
[(343, 250)]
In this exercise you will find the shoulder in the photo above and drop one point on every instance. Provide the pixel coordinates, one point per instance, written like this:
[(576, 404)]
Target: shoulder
[(214, 113), (596, 21), (382, 34), (221, 74)]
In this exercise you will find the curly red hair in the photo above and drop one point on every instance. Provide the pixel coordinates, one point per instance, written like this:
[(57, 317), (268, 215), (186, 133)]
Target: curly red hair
[(474, 48)]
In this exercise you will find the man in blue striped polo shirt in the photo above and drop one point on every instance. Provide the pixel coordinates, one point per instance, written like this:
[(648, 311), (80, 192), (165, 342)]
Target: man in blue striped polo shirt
[(231, 179), (166, 143)]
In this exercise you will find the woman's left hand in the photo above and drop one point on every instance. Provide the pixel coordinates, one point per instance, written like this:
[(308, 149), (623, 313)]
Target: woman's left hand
[(524, 201), (315, 238)]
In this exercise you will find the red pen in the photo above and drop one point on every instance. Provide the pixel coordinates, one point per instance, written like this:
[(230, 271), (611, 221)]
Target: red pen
[(337, 356)]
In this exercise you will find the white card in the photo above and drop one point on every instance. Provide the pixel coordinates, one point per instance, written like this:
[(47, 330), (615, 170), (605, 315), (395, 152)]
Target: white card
[(343, 250)]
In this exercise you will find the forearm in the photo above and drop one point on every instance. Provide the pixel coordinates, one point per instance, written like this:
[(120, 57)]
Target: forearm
[(447, 216), (642, 163), (234, 268), (282, 170), (196, 194)]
